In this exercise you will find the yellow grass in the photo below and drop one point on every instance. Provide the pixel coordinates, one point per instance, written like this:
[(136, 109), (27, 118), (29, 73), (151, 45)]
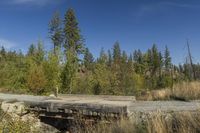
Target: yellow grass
[(187, 90), (181, 91), (153, 122)]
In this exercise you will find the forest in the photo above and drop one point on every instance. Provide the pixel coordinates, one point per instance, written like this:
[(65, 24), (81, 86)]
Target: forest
[(70, 68)]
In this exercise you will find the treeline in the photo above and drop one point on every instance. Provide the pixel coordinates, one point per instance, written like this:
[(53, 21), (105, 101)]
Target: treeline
[(113, 72)]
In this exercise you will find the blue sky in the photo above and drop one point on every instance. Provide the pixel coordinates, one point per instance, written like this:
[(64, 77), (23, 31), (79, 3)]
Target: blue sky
[(136, 24)]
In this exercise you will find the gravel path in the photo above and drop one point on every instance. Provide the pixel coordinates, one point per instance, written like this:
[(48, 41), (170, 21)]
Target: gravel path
[(146, 106)]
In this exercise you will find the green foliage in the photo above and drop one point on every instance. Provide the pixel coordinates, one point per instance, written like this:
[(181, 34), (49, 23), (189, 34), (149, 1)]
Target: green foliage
[(167, 57), (88, 60), (69, 72), (101, 78), (84, 84), (13, 70), (116, 52), (41, 73), (73, 47), (36, 80), (72, 37), (31, 50), (113, 72), (52, 71), (103, 57)]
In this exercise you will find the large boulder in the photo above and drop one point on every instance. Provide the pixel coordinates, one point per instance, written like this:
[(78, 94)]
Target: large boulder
[(17, 111)]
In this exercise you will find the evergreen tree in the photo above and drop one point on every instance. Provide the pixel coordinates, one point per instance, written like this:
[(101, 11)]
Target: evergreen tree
[(2, 53), (72, 37), (138, 56), (167, 59), (139, 62), (116, 52), (55, 31), (116, 70), (40, 53), (31, 50), (88, 59), (52, 72), (124, 57), (103, 57), (69, 72), (73, 47), (130, 64), (160, 63), (155, 59), (149, 58), (168, 68), (101, 78), (160, 81), (109, 58), (130, 58), (36, 80)]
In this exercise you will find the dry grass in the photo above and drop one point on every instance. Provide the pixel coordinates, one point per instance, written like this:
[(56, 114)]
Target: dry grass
[(187, 90), (182, 91), (182, 122), (154, 122), (13, 124)]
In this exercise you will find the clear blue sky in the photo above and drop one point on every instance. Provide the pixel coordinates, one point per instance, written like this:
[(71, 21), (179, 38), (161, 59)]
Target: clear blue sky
[(136, 24)]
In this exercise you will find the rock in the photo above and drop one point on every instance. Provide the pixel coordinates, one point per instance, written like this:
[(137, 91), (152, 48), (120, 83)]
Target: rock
[(16, 111), (14, 108), (52, 96), (44, 128)]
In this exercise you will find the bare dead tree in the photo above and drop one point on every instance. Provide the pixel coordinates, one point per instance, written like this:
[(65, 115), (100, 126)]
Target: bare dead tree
[(191, 61)]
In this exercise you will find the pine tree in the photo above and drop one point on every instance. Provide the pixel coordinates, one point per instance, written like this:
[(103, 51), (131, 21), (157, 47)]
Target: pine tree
[(109, 58), (168, 77), (149, 58), (167, 59), (155, 59), (36, 54), (40, 53), (3, 51), (160, 75), (137, 55), (139, 61), (116, 52), (52, 72), (103, 58), (72, 37), (124, 57), (31, 50), (116, 69), (153, 70), (55, 31), (88, 59), (130, 63), (130, 58), (69, 72), (73, 47), (36, 80), (161, 62)]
